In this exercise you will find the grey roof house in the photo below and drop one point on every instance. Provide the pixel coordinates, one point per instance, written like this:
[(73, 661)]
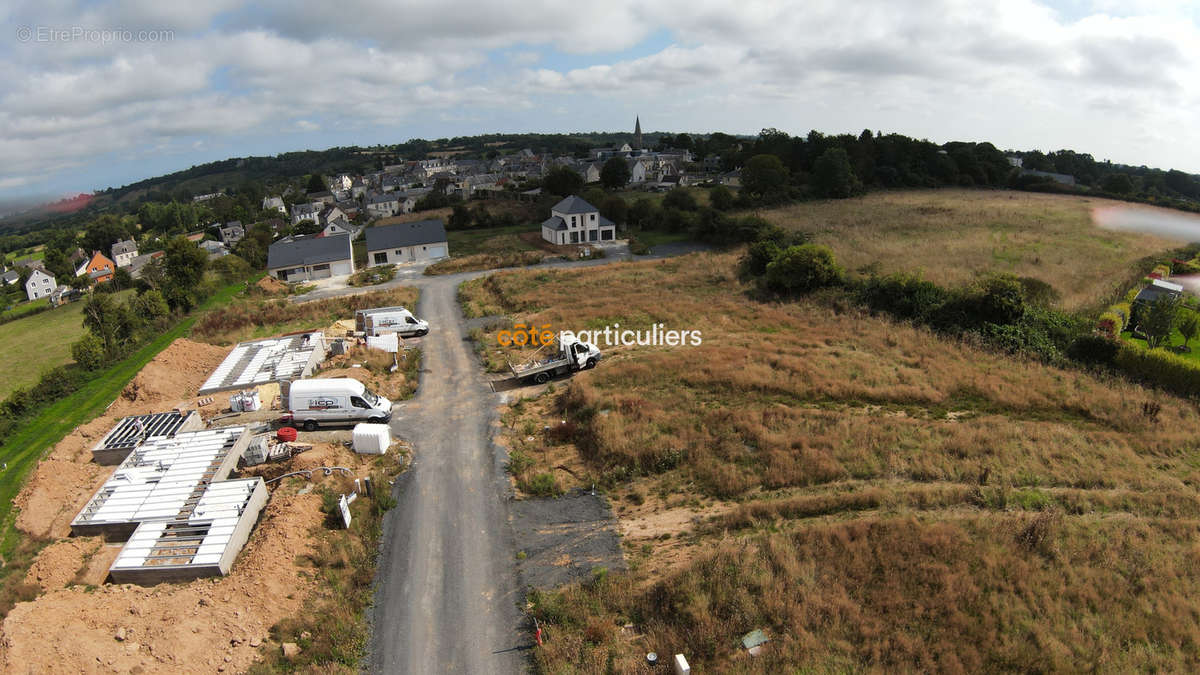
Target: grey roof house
[(1157, 289), (232, 232), (407, 242), (308, 258), (574, 221), (123, 252)]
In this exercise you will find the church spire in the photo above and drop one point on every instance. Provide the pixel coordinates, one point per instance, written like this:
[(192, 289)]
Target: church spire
[(637, 134)]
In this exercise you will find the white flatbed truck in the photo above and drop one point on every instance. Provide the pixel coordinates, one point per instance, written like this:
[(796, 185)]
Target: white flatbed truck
[(572, 355)]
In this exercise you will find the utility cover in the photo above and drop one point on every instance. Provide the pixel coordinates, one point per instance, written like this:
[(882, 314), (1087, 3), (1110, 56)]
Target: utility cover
[(754, 638)]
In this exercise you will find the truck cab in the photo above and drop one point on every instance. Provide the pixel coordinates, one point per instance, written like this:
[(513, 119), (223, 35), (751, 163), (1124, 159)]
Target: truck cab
[(315, 402), (583, 355)]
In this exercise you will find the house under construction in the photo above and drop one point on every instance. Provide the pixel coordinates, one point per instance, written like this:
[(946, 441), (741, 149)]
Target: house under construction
[(171, 502)]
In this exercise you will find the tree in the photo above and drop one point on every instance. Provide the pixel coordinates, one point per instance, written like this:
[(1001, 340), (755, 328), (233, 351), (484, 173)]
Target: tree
[(764, 175), (615, 173), (758, 256), (562, 181), (615, 209), (833, 175), (460, 218), (151, 305), (108, 320), (680, 198), (1002, 301), (1189, 326), (316, 183), (804, 268), (1159, 320), (184, 265), (88, 351), (642, 212), (1117, 183), (721, 198)]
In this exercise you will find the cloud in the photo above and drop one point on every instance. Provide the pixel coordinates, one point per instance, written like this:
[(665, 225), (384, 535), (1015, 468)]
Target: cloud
[(1104, 78)]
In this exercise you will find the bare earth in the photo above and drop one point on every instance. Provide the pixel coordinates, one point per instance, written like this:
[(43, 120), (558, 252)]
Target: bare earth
[(213, 625)]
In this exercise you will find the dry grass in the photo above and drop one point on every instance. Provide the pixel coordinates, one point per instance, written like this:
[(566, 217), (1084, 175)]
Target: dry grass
[(250, 319), (904, 501), (956, 236)]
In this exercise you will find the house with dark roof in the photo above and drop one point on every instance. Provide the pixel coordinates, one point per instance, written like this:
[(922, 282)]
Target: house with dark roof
[(407, 242), (1157, 289), (123, 252), (308, 258), (574, 221), (232, 232), (10, 277)]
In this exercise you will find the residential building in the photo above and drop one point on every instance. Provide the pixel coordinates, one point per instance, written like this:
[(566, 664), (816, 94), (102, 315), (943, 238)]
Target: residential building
[(340, 226), (99, 267), (308, 258), (232, 232), (342, 182), (1158, 289), (574, 221), (383, 205), (311, 211), (138, 265), (215, 249), (322, 196), (10, 277), (274, 203), (407, 242), (123, 252), (40, 284)]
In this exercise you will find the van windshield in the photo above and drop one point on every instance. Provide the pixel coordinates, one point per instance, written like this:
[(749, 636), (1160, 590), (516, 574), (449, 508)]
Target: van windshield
[(370, 398)]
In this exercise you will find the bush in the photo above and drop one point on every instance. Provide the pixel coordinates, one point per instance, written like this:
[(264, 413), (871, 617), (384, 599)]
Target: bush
[(758, 256), (804, 268), (904, 296), (151, 305), (88, 351), (1096, 350), (679, 198), (721, 198), (637, 246), (1159, 367), (542, 485)]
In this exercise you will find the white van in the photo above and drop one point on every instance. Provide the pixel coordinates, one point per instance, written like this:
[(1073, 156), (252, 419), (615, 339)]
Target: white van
[(398, 321), (312, 403)]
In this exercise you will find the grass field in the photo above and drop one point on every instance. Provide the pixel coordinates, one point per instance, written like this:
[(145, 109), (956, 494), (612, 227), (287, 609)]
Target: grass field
[(25, 308), (955, 236), (22, 449), (249, 318), (493, 240), (35, 344), (873, 496)]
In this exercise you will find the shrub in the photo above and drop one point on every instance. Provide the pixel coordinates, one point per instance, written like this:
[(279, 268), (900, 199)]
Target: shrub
[(88, 351), (518, 462), (542, 485), (721, 198), (1097, 350), (904, 296), (1159, 367), (679, 198), (637, 246), (804, 268), (760, 254)]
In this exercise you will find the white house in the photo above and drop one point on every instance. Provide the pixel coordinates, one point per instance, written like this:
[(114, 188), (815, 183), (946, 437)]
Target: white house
[(383, 205), (276, 203), (342, 182), (39, 285), (406, 242), (306, 212), (308, 258), (123, 252), (574, 221)]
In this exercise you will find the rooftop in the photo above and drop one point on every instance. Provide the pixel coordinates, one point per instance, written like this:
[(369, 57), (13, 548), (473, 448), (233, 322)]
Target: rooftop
[(308, 251), (405, 234)]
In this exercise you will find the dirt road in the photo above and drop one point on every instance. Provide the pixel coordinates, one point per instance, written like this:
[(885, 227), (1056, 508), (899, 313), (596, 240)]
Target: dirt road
[(447, 594)]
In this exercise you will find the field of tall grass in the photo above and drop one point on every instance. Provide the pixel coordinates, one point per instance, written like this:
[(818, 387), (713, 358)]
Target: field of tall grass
[(891, 499), (956, 236), (250, 318)]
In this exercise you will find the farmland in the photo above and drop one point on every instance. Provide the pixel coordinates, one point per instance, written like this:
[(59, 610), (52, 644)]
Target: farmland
[(956, 236), (870, 494)]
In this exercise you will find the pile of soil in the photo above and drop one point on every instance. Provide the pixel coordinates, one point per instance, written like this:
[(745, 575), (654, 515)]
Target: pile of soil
[(272, 286), (62, 483), (207, 625)]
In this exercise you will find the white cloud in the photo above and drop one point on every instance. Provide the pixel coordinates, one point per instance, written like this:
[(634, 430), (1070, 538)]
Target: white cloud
[(1108, 79)]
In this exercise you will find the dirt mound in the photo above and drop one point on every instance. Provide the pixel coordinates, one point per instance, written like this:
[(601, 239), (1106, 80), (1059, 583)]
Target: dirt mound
[(272, 285), (195, 627), (61, 484), (59, 563)]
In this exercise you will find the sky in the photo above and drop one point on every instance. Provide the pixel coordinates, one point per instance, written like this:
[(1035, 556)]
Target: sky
[(103, 93)]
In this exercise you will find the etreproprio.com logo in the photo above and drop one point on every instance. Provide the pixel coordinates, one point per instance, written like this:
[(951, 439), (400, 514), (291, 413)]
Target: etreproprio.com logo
[(658, 335)]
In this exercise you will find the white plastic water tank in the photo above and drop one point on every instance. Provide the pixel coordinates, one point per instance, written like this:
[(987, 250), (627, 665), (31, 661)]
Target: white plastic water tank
[(372, 439)]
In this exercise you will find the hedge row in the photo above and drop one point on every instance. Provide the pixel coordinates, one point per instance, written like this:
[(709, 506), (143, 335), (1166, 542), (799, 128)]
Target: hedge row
[(1161, 368)]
